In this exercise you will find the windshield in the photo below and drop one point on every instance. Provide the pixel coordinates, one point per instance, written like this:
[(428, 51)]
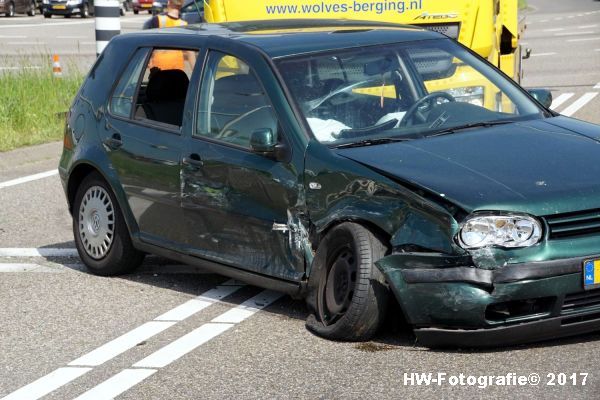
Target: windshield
[(404, 91)]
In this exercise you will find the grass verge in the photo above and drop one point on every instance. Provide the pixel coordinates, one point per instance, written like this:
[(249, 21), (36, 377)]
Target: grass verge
[(523, 4), (32, 105)]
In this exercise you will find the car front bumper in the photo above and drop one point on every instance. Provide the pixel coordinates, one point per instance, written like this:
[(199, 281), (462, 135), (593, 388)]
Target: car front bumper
[(68, 10), (451, 303)]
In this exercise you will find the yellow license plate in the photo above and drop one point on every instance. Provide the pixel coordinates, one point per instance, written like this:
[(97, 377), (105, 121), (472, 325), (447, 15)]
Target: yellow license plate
[(146, 5), (59, 7)]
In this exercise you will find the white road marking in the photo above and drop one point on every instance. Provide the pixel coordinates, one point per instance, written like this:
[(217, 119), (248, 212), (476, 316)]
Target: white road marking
[(557, 102), (577, 105), (574, 33), (598, 84), (558, 19), (542, 54), (71, 37), (193, 306), (26, 268), (584, 39), (26, 43), (45, 25), (185, 344), (121, 344), (117, 384), (587, 26), (108, 351), (248, 308), (12, 37), (554, 30), (39, 252), (29, 178), (203, 334), (47, 384)]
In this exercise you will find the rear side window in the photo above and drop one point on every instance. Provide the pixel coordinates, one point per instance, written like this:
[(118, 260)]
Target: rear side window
[(164, 86), (122, 99)]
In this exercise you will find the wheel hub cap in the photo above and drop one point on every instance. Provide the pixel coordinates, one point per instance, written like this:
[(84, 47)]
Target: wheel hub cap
[(96, 222)]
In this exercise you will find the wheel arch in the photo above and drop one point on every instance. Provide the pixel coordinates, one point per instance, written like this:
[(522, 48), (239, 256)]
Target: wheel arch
[(82, 170)]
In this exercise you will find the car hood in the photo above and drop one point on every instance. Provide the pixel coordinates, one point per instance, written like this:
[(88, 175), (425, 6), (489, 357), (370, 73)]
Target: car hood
[(540, 167)]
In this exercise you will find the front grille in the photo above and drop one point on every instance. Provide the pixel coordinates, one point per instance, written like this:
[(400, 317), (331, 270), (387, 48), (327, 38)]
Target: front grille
[(450, 30), (578, 223), (579, 301)]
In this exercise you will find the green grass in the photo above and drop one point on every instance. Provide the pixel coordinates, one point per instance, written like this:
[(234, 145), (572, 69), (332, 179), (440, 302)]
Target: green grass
[(523, 4), (32, 105)]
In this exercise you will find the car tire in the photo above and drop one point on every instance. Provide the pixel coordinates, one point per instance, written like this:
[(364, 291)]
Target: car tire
[(67, 15), (31, 11), (85, 11), (46, 15), (347, 295), (101, 235), (136, 12), (11, 10)]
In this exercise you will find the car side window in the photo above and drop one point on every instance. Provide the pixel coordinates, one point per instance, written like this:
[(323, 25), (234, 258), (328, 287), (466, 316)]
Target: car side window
[(122, 99), (162, 93), (232, 103)]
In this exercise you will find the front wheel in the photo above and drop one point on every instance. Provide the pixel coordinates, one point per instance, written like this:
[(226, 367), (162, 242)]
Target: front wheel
[(31, 11), (101, 235), (347, 295)]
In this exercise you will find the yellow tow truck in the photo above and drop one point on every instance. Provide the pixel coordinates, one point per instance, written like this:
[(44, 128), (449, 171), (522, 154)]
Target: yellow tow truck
[(490, 28)]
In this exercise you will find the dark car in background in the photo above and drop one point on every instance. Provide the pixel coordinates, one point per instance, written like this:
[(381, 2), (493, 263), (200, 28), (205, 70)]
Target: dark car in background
[(9, 8), (314, 158), (142, 5), (192, 11), (67, 8)]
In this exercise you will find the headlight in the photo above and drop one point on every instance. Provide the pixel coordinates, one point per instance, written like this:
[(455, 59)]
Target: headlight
[(472, 95), (504, 231)]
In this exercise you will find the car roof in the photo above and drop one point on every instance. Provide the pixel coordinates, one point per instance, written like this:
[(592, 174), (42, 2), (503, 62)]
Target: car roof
[(283, 38)]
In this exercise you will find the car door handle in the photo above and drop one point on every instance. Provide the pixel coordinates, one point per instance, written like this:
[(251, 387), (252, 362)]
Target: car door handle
[(193, 160), (114, 142)]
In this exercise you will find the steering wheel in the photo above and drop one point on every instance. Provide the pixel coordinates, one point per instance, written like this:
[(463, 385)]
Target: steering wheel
[(415, 112)]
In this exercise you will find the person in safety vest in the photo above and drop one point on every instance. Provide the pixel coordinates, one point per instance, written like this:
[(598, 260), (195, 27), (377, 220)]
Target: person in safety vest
[(168, 59)]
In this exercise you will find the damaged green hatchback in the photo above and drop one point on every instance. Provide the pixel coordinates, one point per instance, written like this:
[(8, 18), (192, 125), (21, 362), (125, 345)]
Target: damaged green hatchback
[(341, 162)]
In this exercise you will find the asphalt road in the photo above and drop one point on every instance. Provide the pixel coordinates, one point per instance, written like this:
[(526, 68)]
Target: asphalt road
[(159, 340)]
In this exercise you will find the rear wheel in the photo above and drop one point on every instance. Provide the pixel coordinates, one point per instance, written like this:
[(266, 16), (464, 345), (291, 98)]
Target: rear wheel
[(101, 235), (136, 11), (31, 11), (11, 10), (347, 293), (46, 15), (85, 11)]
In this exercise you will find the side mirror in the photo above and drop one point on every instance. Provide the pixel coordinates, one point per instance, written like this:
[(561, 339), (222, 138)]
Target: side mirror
[(544, 96), (263, 141)]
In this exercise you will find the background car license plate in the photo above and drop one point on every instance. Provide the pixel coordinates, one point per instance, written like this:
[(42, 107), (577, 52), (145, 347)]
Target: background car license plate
[(591, 274), (59, 7), (146, 5)]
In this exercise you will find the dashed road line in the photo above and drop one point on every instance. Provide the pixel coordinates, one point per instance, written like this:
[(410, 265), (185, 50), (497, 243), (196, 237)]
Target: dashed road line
[(47, 384), (117, 384), (127, 379), (598, 84), (110, 350), (583, 39), (579, 103), (587, 26), (554, 30), (542, 54), (38, 252), (574, 33), (46, 25), (28, 178), (557, 102)]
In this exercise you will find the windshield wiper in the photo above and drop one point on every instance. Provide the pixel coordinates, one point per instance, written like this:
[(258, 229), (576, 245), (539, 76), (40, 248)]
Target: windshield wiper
[(371, 142), (468, 126)]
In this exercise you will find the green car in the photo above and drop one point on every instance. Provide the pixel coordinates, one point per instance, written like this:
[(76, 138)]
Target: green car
[(315, 158)]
